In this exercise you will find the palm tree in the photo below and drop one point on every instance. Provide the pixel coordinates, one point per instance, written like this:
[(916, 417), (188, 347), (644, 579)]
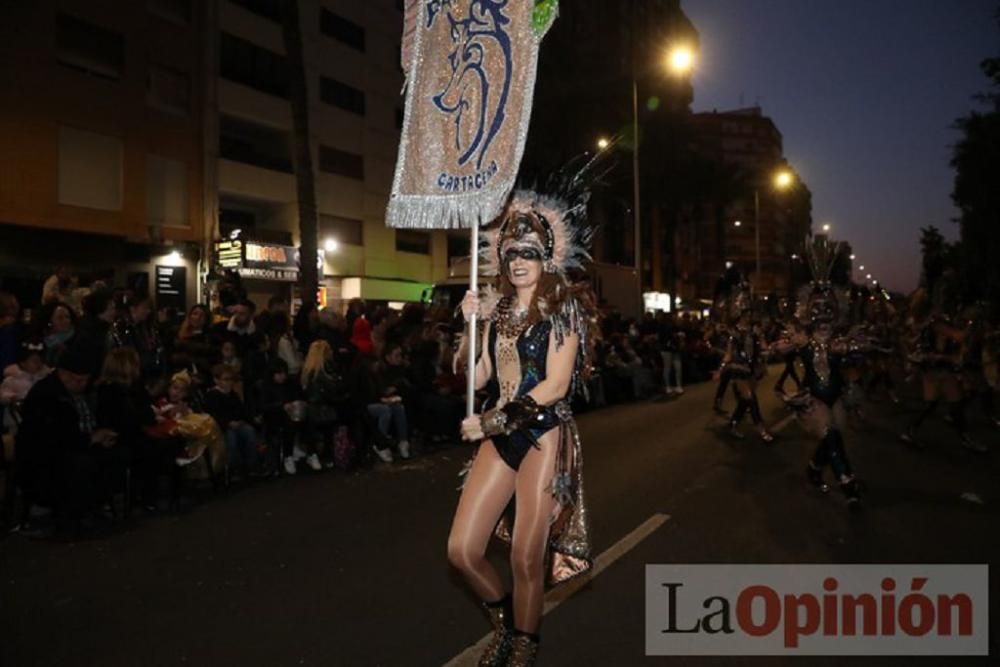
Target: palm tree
[(305, 180)]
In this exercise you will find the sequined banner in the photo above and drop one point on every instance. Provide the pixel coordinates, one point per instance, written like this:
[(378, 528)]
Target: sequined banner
[(470, 85)]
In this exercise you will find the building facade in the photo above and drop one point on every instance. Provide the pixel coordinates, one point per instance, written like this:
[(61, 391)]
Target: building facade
[(354, 79), (150, 133), (749, 211), (101, 144)]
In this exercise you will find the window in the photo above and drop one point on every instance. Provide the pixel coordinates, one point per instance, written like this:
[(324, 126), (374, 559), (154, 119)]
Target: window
[(257, 145), (168, 89), (246, 63), (90, 169), (345, 230), (177, 11), (409, 240), (341, 163), (341, 29), (268, 9), (458, 247), (166, 192), (341, 95), (89, 48)]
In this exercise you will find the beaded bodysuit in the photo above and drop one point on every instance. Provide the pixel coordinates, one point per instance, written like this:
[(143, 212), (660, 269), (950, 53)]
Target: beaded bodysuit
[(531, 348)]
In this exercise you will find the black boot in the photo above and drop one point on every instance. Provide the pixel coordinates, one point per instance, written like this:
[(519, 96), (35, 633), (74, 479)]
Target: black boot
[(815, 477), (852, 493), (525, 649), (501, 618)]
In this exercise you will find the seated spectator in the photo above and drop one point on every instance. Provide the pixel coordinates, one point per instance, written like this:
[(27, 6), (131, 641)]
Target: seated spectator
[(283, 411), (326, 397), (230, 358), (229, 412), (62, 455), (20, 377), (388, 407), (56, 325), (438, 391), (195, 434), (125, 407)]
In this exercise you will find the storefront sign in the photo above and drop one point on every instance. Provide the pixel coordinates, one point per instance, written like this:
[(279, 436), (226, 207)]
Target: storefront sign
[(281, 275), (266, 256), (229, 254), (171, 287), (261, 261)]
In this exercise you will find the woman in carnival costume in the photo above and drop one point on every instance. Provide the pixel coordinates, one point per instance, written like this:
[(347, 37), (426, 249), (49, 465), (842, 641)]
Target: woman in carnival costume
[(820, 406), (938, 352), (744, 363), (540, 327)]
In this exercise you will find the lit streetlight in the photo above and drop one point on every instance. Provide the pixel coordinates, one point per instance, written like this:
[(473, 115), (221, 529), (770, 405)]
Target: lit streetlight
[(869, 276), (826, 227), (861, 268), (738, 223), (331, 245), (782, 179), (852, 258), (603, 143), (680, 60)]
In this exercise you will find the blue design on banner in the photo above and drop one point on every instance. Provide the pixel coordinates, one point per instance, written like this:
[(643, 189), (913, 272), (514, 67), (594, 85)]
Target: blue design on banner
[(433, 7), (470, 96)]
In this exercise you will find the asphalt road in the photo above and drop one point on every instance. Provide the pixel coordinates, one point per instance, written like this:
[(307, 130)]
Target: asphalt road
[(338, 569)]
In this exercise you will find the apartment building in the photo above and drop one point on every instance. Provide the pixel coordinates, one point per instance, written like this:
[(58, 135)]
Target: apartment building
[(101, 144)]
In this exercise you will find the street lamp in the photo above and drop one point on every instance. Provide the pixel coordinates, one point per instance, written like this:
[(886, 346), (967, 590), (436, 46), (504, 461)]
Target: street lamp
[(782, 180), (680, 61), (852, 258), (737, 223), (331, 245), (861, 268), (826, 227), (602, 143)]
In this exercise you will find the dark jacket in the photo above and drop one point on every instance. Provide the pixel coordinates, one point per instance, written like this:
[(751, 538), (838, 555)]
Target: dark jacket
[(274, 396), (325, 393), (127, 411), (225, 408), (50, 423)]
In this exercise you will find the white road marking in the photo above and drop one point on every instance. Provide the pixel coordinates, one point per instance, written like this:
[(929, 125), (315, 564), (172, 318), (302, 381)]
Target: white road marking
[(560, 594)]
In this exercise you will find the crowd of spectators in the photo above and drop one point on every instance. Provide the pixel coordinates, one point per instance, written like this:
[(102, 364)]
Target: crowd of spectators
[(112, 405)]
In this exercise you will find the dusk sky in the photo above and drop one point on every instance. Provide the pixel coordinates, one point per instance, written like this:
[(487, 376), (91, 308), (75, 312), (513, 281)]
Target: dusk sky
[(864, 93)]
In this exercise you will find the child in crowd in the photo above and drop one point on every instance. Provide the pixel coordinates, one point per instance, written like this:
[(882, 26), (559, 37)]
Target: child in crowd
[(226, 407), (284, 411), (230, 359), (20, 377)]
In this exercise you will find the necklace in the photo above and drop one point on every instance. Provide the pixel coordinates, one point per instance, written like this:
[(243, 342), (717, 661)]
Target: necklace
[(510, 321)]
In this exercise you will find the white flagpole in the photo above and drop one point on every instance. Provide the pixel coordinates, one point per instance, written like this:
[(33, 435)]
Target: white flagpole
[(473, 286)]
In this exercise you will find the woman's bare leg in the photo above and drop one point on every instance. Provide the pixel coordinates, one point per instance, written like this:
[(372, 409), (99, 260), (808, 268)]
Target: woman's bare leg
[(488, 489), (535, 508)]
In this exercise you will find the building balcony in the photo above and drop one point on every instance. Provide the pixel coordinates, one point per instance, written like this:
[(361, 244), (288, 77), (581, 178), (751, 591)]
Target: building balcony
[(240, 101), (255, 182)]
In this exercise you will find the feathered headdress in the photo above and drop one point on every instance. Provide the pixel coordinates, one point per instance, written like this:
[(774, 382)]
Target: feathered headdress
[(561, 215), (819, 302)]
